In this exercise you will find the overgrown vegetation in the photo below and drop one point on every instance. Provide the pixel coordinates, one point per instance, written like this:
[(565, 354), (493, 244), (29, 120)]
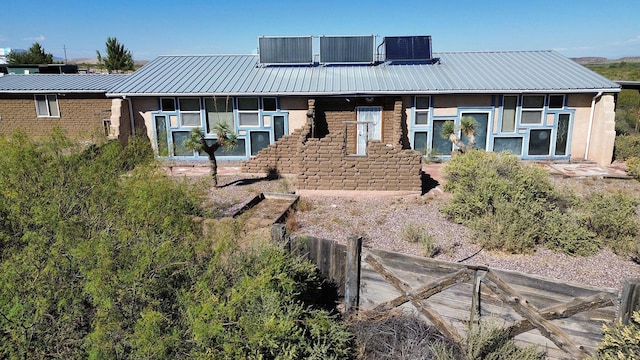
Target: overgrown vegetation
[(621, 341), (94, 264), (512, 206), (399, 335)]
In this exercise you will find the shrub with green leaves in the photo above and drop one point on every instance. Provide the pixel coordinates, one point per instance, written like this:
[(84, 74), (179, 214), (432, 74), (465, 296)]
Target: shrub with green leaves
[(97, 265), (612, 217), (633, 166), (621, 341), (513, 206), (501, 199), (627, 146), (416, 233)]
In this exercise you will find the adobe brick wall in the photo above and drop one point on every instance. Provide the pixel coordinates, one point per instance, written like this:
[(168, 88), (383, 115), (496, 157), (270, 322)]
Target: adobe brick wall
[(80, 118), (323, 163)]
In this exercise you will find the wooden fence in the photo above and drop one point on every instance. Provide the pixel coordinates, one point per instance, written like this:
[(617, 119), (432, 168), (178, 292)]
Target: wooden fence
[(564, 319)]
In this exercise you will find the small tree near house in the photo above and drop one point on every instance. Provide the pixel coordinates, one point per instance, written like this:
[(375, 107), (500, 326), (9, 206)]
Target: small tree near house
[(467, 127), (225, 139)]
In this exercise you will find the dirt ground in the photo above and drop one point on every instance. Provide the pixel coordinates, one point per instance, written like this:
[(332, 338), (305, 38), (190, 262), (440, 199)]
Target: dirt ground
[(381, 217)]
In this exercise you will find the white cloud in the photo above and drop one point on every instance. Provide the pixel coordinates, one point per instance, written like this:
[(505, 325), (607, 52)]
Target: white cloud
[(37, 38)]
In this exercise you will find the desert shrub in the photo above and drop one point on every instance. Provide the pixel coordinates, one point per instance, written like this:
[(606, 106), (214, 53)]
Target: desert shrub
[(633, 166), (396, 335), (566, 233), (501, 199), (485, 341), (94, 264), (627, 146), (621, 341), (415, 233), (612, 218)]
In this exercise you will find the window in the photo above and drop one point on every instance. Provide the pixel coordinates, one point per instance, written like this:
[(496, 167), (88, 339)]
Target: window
[(248, 112), (532, 109), (510, 144), (189, 111), (179, 137), (218, 110), (423, 103), (168, 104), (259, 141), (47, 106), (420, 141), (509, 106), (269, 104), (539, 142), (556, 101), (562, 134)]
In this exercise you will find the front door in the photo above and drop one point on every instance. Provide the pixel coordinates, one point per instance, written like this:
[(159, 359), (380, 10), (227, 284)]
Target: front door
[(369, 126)]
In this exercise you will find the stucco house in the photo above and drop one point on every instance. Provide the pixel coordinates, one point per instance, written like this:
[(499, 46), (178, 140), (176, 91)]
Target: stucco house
[(77, 104), (353, 114)]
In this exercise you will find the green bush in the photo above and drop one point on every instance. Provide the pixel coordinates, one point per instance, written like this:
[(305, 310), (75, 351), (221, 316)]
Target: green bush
[(633, 166), (502, 200), (627, 146), (94, 264), (612, 218), (620, 341)]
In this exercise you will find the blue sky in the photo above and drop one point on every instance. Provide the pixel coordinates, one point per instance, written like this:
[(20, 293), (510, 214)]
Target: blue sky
[(150, 28)]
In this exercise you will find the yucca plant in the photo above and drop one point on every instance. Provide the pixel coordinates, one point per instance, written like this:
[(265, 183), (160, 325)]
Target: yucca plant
[(467, 127), (225, 139)]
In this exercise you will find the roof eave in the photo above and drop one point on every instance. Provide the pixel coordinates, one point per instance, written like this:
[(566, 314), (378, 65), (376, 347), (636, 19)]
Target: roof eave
[(377, 93)]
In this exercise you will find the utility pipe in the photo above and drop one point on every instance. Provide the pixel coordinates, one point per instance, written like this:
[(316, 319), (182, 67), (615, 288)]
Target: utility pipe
[(591, 116)]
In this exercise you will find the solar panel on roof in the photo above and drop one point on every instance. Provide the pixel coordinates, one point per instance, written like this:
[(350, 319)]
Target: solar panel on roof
[(286, 50), (408, 48), (346, 49)]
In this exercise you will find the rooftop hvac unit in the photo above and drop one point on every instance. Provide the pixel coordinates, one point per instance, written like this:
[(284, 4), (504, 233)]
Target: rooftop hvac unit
[(286, 50), (346, 49), (408, 48)]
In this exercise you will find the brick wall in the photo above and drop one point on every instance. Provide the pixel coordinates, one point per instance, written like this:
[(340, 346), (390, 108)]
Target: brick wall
[(80, 118), (323, 163)]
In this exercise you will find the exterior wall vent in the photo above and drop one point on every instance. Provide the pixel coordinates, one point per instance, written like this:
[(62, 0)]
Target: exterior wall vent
[(346, 49), (408, 48), (286, 50)]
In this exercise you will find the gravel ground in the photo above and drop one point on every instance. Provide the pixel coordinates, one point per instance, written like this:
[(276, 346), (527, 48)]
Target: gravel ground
[(380, 220)]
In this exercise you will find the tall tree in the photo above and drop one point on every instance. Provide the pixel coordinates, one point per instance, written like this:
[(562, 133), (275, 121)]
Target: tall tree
[(118, 58), (35, 55)]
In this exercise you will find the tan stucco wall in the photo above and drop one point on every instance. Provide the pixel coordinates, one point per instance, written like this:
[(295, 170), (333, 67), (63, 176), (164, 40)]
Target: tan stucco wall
[(602, 132), (297, 108), (447, 105)]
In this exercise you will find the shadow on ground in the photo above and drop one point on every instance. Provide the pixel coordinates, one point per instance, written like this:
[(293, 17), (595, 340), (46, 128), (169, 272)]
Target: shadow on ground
[(428, 183)]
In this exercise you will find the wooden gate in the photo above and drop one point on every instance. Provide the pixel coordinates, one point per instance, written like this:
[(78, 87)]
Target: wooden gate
[(565, 319)]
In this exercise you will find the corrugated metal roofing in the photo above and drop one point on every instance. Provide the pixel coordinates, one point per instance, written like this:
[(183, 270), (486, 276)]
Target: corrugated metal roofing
[(457, 72), (66, 83)]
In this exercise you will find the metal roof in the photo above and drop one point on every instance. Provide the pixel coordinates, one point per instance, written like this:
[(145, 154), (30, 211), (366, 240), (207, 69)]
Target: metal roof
[(63, 83), (456, 72)]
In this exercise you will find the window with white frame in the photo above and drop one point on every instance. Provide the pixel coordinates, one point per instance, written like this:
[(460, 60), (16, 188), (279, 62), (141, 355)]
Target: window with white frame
[(269, 104), (47, 106), (422, 105), (248, 112), (532, 109), (189, 111), (218, 110)]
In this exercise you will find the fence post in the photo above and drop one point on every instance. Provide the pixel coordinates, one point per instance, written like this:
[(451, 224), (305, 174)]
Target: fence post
[(278, 235), (630, 299), (352, 274)]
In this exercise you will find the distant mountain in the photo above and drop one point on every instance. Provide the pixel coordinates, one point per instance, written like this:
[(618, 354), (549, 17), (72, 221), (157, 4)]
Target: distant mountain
[(94, 61), (601, 60)]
